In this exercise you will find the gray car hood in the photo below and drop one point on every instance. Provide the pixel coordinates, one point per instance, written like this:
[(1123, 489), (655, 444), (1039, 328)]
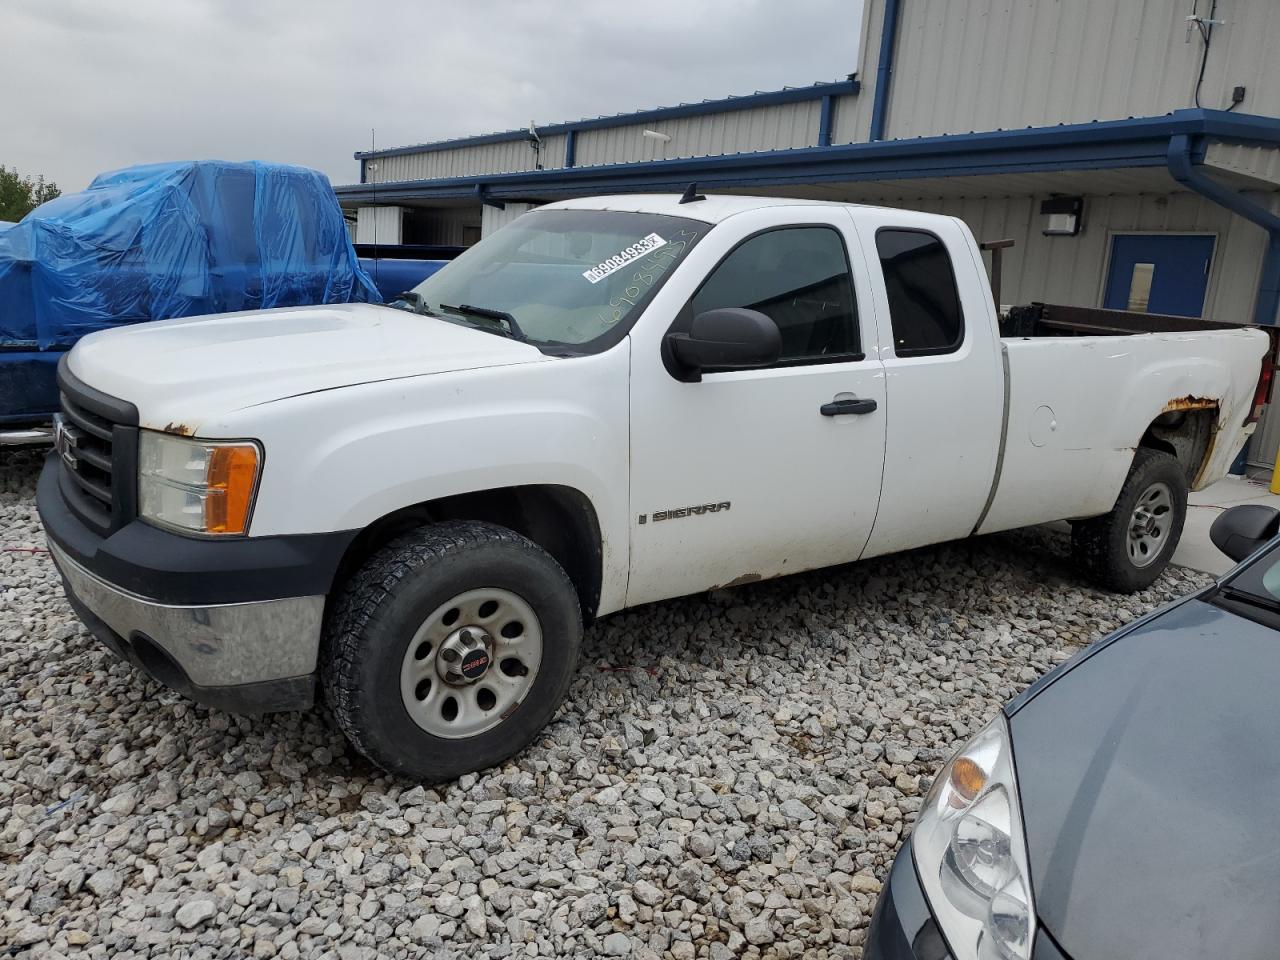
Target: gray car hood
[(1150, 783)]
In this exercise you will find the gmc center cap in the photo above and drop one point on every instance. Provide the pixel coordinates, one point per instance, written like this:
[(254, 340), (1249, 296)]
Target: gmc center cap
[(474, 664)]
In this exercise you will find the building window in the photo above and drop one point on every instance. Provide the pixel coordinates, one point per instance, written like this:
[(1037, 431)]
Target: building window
[(799, 278), (924, 303)]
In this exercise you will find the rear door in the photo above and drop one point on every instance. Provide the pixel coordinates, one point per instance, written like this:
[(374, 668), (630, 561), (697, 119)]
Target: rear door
[(945, 379), (742, 476)]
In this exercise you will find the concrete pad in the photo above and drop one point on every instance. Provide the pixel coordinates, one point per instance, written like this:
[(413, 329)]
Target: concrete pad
[(1194, 549)]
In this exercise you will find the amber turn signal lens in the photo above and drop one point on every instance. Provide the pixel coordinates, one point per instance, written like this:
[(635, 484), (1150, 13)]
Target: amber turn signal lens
[(232, 474), (967, 779)]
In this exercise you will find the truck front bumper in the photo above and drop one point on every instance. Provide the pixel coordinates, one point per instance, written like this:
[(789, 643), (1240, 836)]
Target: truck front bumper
[(239, 657), (234, 625)]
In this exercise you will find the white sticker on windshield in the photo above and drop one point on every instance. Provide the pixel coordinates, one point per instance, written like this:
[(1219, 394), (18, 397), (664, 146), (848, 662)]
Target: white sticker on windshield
[(627, 255)]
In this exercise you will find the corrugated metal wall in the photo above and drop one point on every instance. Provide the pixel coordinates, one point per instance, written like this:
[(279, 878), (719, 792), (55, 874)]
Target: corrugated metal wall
[(509, 156), (1259, 163), (971, 65), (776, 127), (1072, 270), (378, 225), (494, 219), (443, 225)]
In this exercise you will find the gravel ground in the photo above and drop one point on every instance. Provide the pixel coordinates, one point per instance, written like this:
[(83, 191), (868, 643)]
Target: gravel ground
[(730, 777)]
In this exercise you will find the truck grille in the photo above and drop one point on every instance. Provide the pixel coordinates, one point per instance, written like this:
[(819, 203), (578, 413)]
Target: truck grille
[(97, 443)]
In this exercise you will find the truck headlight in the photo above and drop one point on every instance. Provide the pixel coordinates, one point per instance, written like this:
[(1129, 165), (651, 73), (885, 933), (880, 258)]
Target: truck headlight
[(971, 854), (196, 486)]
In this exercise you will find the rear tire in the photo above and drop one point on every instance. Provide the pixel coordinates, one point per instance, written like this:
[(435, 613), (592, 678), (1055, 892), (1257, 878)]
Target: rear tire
[(448, 599), (1127, 549)]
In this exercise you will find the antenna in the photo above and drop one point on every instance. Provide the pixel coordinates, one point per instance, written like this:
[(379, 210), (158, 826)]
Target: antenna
[(691, 194), (373, 145)]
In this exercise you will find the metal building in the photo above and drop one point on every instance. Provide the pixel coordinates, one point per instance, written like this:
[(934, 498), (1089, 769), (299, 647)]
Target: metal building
[(1131, 150)]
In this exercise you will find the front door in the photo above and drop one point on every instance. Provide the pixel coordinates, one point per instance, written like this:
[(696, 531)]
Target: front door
[(742, 476), (1159, 273)]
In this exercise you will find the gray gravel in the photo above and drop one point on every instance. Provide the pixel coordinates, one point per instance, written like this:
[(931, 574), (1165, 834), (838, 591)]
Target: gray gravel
[(730, 777)]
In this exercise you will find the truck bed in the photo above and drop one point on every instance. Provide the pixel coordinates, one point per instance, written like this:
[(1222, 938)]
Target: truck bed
[(1059, 320)]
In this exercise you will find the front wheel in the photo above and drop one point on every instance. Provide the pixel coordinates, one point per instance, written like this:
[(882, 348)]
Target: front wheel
[(1127, 549), (450, 649)]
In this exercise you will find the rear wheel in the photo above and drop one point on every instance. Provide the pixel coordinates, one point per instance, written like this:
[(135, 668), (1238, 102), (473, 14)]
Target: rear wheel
[(1127, 549), (450, 649)]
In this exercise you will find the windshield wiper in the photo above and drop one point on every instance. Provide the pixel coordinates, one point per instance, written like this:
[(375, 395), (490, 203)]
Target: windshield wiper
[(413, 300), (512, 328)]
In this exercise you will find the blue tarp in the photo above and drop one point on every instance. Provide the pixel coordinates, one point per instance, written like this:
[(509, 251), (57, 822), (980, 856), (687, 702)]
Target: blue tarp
[(174, 240)]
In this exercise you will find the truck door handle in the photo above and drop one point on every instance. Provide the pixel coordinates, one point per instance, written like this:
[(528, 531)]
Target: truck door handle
[(844, 405)]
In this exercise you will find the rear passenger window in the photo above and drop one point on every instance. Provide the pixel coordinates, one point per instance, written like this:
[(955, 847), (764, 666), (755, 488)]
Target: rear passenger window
[(799, 277), (924, 305)]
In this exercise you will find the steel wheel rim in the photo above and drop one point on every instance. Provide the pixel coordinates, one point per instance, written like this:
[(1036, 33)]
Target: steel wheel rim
[(448, 705), (1150, 525)]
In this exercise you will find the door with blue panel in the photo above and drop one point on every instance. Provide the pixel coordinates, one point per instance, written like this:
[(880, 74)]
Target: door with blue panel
[(1159, 273)]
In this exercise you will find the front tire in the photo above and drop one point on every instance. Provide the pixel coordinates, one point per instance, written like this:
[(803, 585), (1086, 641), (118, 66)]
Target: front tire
[(1127, 549), (450, 650)]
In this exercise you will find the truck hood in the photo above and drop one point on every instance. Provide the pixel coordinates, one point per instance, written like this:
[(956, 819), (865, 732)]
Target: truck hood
[(185, 371), (1148, 773)]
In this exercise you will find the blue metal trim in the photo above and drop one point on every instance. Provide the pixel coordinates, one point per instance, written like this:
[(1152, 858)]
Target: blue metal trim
[(1181, 168), (888, 40), (765, 99), (570, 148), (1141, 142), (824, 123)]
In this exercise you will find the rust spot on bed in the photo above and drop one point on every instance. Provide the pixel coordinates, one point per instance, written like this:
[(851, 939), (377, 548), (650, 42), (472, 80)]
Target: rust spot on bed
[(745, 578), (181, 429)]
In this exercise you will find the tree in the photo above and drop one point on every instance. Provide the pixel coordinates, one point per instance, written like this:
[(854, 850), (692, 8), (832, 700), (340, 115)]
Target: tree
[(20, 195)]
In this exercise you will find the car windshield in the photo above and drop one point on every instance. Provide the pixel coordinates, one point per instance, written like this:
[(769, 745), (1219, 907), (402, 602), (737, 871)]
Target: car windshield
[(1260, 580), (573, 281)]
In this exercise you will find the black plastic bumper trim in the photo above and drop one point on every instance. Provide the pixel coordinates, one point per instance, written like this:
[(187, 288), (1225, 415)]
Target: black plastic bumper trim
[(172, 569)]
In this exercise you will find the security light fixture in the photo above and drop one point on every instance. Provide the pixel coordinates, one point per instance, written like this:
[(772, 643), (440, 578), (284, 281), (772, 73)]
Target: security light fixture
[(1062, 216), (657, 135)]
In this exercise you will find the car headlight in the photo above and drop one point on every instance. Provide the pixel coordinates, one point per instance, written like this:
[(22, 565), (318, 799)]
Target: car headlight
[(971, 854), (197, 486)]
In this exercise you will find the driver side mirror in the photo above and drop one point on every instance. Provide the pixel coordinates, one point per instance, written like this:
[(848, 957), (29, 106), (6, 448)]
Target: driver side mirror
[(1241, 530), (730, 338)]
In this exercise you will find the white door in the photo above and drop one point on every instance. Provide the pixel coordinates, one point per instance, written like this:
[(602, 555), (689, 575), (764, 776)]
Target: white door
[(742, 476)]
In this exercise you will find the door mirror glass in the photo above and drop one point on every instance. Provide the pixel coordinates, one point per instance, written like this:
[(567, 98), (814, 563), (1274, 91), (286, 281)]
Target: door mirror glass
[(729, 338), (1240, 531)]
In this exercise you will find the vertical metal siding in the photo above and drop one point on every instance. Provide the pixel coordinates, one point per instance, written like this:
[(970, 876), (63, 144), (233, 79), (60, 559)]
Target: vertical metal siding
[(493, 218), (510, 156), (379, 224), (1072, 270), (972, 65), (777, 127), (1258, 163)]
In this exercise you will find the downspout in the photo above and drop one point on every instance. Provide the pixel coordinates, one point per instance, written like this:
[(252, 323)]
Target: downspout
[(1184, 171), (888, 40)]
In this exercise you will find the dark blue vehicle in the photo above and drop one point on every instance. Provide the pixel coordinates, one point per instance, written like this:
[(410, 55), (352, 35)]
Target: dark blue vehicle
[(1123, 805), (171, 240)]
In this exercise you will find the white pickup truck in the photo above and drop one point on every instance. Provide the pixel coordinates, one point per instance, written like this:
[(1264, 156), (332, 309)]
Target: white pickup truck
[(414, 508)]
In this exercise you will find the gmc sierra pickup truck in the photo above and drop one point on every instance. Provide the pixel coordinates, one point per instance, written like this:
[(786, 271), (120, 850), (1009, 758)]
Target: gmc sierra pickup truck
[(412, 509)]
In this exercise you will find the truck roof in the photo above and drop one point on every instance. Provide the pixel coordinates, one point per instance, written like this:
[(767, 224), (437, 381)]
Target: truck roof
[(711, 210)]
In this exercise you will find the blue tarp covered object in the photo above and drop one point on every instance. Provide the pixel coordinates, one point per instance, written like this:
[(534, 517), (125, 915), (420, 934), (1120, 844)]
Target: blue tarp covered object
[(174, 240)]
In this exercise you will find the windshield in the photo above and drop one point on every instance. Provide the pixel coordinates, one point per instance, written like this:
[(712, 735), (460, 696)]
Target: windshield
[(1260, 580), (569, 279)]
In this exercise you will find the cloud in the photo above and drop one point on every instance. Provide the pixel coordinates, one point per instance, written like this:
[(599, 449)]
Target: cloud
[(91, 86)]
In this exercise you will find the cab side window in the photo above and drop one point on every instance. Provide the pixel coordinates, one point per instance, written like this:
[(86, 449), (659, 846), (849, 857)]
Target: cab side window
[(924, 304), (799, 278)]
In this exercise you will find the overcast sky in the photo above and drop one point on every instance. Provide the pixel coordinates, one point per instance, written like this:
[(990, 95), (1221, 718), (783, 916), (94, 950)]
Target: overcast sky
[(91, 85)]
